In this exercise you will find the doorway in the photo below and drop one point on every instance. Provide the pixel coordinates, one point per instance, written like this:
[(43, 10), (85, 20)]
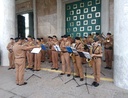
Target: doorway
[(25, 25)]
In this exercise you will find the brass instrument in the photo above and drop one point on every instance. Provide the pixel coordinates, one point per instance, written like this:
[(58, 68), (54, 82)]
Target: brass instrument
[(87, 60), (73, 57), (90, 61), (93, 35), (82, 41), (107, 40), (102, 36)]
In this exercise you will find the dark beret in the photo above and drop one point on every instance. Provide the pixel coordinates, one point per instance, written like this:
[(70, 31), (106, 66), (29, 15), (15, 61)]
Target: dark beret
[(65, 36), (77, 38), (108, 33), (96, 39)]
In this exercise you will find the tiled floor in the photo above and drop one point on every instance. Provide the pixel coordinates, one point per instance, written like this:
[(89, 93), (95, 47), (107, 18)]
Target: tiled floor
[(51, 86)]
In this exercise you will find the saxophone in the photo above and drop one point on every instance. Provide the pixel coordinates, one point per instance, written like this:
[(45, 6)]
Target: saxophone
[(73, 57), (90, 61)]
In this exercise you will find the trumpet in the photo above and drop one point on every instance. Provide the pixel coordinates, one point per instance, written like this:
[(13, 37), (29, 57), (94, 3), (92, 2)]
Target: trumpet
[(107, 40)]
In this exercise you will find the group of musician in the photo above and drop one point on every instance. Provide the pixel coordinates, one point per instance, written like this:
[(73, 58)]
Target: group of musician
[(92, 44)]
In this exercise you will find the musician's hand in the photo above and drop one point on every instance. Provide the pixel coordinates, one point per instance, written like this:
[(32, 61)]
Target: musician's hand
[(93, 55)]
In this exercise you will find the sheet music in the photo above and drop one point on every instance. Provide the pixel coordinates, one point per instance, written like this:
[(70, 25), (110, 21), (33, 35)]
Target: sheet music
[(57, 48), (36, 50), (87, 55)]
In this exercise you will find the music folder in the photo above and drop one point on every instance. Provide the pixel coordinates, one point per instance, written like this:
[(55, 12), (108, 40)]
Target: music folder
[(71, 50), (43, 47), (85, 55), (35, 50)]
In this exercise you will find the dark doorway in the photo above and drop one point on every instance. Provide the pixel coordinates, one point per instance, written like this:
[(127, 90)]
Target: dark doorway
[(21, 25), (25, 25)]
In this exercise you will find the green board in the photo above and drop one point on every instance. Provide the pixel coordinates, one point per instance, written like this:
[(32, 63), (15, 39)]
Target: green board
[(83, 18)]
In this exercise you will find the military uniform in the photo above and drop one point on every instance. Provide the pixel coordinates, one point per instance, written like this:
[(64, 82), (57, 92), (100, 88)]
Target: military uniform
[(37, 63), (97, 51), (20, 60), (108, 46), (49, 43), (11, 55), (30, 55), (78, 61), (43, 52), (65, 57), (54, 55)]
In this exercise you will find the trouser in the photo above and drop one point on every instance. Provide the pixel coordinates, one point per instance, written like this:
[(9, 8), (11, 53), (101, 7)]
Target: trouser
[(55, 59), (20, 68), (37, 64), (96, 69), (78, 66), (65, 57), (11, 60), (50, 55), (108, 57), (30, 59), (43, 55), (83, 60)]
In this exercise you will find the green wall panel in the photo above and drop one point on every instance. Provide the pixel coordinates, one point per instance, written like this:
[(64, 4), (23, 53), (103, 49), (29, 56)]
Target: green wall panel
[(83, 18)]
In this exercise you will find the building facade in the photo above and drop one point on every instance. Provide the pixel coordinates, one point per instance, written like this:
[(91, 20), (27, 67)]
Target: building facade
[(58, 17)]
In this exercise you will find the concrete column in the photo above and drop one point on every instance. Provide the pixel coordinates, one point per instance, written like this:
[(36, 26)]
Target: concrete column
[(7, 27), (111, 16), (105, 16), (121, 43), (35, 21), (59, 18)]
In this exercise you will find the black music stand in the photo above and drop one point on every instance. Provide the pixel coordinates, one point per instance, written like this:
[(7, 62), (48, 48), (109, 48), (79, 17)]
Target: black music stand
[(33, 74), (57, 48), (59, 76), (85, 55), (70, 51)]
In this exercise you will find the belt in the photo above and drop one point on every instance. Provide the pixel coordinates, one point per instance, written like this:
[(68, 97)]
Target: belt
[(64, 51), (29, 51), (20, 58), (109, 48), (96, 58)]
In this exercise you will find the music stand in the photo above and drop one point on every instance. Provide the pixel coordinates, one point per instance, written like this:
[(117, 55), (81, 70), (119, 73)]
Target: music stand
[(59, 76), (35, 50), (57, 48), (70, 51), (85, 55), (33, 75)]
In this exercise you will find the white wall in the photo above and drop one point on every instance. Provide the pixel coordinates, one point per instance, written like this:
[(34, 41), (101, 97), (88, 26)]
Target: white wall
[(105, 16), (7, 27)]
